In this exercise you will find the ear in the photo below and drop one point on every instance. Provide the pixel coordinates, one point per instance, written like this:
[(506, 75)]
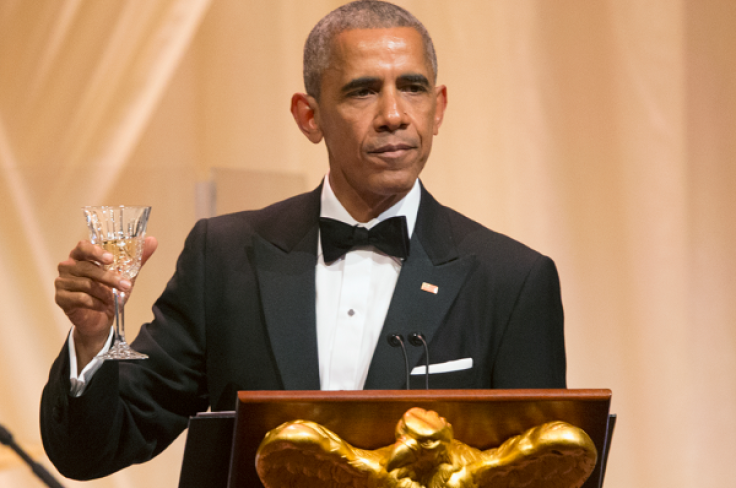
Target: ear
[(441, 104), (303, 108)]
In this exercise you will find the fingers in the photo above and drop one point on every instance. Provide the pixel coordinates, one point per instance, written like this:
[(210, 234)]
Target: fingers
[(83, 284), (149, 247), (84, 263), (86, 251)]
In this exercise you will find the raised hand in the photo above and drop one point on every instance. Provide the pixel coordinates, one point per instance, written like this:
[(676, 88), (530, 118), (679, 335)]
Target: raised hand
[(84, 293)]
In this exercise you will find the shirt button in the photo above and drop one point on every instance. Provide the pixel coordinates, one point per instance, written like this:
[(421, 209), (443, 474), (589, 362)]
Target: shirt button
[(351, 312)]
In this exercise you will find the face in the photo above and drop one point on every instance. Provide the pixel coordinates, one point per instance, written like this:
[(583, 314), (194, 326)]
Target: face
[(378, 111)]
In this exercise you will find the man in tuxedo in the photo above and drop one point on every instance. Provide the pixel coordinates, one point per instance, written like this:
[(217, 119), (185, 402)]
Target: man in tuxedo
[(304, 293)]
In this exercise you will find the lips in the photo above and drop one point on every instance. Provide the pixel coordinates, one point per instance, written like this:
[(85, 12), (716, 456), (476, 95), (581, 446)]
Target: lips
[(392, 150)]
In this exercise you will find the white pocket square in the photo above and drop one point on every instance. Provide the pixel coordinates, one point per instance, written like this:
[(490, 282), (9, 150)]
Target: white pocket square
[(449, 366)]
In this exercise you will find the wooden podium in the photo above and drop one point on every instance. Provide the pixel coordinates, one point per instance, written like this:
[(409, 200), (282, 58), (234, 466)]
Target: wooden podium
[(221, 447)]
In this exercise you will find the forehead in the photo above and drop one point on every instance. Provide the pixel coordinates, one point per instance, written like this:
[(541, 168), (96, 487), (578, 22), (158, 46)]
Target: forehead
[(366, 50)]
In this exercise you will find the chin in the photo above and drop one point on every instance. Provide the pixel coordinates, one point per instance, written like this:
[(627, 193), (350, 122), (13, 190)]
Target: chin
[(394, 187), (393, 183)]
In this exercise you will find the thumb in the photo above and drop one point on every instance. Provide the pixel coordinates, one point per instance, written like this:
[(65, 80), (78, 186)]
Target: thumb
[(149, 247)]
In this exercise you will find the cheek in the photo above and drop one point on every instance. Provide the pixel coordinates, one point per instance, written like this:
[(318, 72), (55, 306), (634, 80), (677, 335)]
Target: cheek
[(349, 138), (342, 142), (342, 125), (429, 125)]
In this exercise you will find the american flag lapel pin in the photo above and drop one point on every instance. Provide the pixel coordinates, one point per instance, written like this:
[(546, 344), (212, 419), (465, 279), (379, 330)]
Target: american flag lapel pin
[(430, 288)]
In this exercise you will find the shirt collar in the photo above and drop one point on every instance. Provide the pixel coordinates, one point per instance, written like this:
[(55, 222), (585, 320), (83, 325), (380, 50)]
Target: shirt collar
[(408, 207)]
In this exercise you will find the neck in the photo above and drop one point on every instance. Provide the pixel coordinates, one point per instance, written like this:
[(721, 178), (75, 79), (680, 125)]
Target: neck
[(365, 208)]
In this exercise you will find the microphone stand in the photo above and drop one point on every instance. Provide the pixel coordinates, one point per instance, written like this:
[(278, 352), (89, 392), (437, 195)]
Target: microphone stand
[(7, 438), (396, 340), (417, 339)]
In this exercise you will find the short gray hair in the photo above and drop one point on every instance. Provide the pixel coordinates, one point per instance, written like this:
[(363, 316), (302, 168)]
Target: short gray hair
[(361, 14)]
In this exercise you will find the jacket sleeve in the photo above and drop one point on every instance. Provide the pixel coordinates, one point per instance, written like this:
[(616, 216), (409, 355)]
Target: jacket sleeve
[(131, 410), (532, 350)]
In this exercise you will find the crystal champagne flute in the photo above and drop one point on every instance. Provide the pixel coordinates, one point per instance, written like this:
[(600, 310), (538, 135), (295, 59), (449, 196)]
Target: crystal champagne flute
[(119, 230)]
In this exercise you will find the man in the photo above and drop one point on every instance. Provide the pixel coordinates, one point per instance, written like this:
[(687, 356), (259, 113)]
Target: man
[(261, 300)]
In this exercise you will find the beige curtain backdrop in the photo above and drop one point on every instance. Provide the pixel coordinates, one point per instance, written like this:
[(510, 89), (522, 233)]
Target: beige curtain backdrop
[(602, 133)]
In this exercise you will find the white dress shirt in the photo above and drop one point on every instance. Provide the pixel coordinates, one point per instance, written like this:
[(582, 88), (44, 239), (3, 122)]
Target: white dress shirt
[(79, 381), (353, 296)]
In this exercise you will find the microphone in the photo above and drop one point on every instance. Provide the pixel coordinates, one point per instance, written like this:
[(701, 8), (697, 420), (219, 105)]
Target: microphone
[(395, 340), (417, 339), (7, 438)]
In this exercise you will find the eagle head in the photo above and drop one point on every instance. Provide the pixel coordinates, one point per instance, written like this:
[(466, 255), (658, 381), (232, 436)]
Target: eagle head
[(422, 438)]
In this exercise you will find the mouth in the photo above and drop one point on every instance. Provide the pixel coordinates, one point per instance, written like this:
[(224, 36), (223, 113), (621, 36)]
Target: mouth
[(392, 150)]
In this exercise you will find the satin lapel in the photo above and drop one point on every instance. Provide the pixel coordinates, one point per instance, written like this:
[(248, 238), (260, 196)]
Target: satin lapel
[(413, 309), (286, 283), (285, 258)]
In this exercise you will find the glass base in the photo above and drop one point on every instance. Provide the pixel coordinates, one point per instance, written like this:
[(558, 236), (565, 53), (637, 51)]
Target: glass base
[(121, 351)]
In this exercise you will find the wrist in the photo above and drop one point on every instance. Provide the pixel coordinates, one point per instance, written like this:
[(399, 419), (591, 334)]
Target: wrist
[(86, 347)]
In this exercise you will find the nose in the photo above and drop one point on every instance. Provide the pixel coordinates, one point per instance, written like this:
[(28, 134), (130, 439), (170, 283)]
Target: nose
[(392, 114)]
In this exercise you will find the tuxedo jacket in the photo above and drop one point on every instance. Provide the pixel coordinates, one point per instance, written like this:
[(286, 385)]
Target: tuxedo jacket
[(239, 314)]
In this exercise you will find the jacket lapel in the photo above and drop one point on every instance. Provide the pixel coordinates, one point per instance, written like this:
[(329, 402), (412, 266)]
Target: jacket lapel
[(285, 266), (433, 260), (414, 310)]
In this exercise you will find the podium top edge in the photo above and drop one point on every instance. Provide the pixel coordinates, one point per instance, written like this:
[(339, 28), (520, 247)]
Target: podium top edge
[(427, 395)]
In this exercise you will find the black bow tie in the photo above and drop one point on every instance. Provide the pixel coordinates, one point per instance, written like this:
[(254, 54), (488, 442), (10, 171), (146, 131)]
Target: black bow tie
[(390, 236)]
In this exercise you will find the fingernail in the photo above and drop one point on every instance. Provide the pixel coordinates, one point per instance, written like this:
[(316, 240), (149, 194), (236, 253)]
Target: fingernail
[(125, 284), (107, 256)]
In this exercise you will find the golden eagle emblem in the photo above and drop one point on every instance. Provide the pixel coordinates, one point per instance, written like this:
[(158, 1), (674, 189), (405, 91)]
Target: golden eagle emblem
[(304, 454)]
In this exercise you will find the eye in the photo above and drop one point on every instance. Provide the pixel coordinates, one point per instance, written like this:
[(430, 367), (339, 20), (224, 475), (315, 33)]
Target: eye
[(415, 88), (361, 92)]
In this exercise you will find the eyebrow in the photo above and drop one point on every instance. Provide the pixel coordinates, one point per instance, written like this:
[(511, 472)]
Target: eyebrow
[(361, 82), (367, 81), (415, 78)]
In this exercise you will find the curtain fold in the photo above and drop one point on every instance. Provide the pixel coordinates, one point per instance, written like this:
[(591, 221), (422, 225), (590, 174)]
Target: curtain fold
[(599, 133)]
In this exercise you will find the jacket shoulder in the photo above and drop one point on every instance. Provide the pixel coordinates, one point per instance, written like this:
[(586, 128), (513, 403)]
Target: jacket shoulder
[(282, 222), (448, 234)]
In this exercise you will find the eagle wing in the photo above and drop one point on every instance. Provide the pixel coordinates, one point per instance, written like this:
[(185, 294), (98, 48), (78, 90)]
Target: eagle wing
[(552, 455), (303, 454)]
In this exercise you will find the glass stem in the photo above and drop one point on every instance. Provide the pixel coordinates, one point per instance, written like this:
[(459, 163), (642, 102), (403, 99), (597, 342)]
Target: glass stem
[(119, 316)]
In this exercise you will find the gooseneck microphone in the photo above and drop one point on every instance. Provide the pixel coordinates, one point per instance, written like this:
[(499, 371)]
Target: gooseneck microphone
[(395, 340), (417, 339), (7, 438)]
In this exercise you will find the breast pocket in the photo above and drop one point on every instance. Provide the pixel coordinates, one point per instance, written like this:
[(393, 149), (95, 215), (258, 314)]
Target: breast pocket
[(454, 380)]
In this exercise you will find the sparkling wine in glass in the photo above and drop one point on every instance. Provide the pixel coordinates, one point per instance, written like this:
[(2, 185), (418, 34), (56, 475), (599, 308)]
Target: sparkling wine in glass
[(120, 231)]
